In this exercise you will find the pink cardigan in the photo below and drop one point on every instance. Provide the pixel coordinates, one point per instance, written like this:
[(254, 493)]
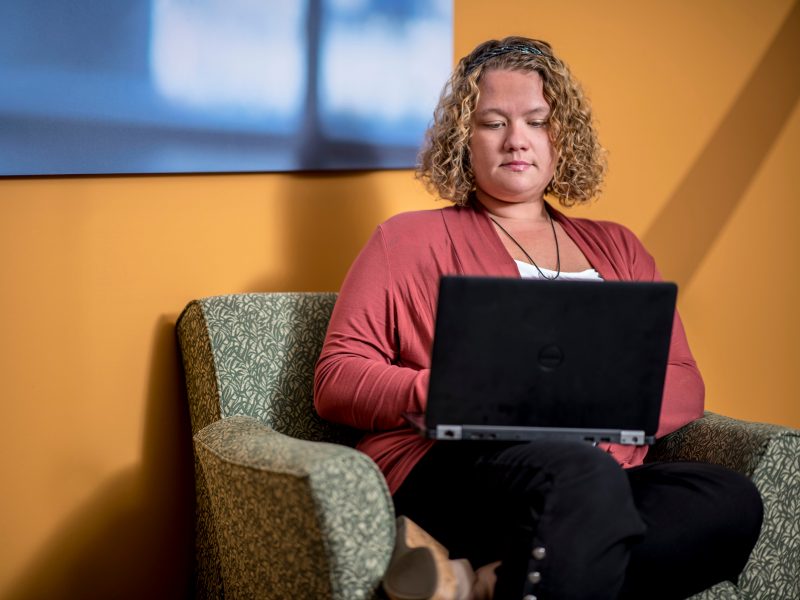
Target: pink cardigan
[(375, 361)]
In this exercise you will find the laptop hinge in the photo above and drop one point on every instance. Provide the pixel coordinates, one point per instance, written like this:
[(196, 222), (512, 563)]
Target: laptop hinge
[(448, 432), (635, 438)]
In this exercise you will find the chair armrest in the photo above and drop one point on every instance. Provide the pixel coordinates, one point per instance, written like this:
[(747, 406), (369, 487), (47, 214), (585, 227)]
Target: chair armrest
[(738, 445), (770, 455), (293, 518)]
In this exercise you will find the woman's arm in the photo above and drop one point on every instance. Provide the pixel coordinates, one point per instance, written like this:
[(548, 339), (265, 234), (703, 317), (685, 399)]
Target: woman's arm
[(356, 381), (684, 391)]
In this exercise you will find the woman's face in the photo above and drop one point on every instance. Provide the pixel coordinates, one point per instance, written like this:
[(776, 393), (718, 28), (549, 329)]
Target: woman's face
[(511, 153)]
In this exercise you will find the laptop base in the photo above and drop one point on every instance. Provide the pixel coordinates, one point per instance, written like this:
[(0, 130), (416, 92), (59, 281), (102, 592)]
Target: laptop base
[(524, 434)]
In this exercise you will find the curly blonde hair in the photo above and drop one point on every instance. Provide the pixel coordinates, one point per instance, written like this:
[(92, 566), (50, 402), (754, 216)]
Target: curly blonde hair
[(444, 162)]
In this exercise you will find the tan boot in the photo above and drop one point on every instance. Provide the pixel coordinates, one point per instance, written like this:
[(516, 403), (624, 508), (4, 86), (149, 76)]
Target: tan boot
[(421, 569)]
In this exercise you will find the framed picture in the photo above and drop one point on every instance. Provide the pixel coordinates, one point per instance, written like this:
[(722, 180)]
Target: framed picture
[(167, 86)]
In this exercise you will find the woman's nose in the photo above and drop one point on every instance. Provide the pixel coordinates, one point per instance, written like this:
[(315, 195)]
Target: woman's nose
[(516, 138)]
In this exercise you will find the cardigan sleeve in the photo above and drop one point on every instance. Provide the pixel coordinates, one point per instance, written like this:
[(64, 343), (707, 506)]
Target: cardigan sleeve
[(684, 390), (357, 381)]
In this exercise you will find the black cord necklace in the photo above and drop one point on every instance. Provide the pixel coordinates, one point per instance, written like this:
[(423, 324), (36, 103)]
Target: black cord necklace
[(528, 256)]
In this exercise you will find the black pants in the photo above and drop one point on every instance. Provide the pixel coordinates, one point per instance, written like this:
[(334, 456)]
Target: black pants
[(567, 522)]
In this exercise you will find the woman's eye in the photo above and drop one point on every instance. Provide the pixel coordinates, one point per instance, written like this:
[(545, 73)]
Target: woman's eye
[(538, 123), (493, 125)]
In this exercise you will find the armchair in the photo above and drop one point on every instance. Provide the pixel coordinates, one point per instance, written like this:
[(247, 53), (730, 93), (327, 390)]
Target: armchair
[(286, 508)]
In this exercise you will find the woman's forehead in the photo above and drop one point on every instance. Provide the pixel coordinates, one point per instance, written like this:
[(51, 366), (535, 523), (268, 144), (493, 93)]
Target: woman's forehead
[(503, 87)]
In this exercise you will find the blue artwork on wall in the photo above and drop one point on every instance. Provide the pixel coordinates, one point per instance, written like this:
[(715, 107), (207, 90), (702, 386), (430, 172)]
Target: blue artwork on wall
[(168, 86)]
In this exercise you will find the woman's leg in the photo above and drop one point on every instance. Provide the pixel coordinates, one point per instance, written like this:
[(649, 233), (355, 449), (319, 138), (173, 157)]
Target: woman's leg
[(486, 502), (558, 515), (702, 523)]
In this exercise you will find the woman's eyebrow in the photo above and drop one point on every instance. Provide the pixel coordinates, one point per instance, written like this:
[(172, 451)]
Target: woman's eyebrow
[(539, 110)]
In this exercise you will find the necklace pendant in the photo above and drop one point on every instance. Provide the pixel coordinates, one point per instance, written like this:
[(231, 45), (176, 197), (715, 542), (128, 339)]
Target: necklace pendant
[(528, 256)]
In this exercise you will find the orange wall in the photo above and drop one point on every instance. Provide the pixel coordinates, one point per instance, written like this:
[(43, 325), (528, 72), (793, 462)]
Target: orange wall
[(697, 103)]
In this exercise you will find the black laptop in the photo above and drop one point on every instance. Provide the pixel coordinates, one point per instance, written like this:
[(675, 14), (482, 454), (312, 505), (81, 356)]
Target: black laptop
[(521, 359)]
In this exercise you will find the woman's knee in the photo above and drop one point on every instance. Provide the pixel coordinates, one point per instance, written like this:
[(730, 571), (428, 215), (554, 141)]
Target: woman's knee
[(717, 495), (711, 513), (740, 503)]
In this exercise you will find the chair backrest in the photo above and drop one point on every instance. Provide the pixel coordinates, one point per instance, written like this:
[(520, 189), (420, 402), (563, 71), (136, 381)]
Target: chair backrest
[(254, 355)]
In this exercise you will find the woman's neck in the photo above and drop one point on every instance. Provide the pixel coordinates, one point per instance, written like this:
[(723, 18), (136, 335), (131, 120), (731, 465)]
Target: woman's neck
[(531, 211)]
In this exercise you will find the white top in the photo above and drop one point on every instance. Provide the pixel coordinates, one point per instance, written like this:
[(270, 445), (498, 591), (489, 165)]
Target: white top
[(527, 270)]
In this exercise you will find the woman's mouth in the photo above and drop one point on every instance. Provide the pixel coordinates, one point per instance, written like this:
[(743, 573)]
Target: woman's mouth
[(516, 165)]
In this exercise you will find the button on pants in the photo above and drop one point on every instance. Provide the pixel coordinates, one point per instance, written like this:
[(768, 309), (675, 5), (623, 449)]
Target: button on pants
[(568, 522)]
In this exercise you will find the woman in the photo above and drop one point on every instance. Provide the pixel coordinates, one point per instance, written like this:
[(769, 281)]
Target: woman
[(563, 520)]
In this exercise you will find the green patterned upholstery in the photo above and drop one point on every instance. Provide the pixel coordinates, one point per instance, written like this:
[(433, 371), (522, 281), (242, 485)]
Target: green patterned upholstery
[(255, 355), (334, 525), (285, 509), (770, 455), (281, 511)]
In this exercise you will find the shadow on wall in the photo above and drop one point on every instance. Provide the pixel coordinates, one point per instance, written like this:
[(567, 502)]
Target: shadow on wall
[(700, 207), (324, 227), (133, 538)]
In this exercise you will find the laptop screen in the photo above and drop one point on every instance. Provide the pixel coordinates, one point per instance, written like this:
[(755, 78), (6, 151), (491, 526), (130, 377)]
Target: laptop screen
[(529, 353)]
